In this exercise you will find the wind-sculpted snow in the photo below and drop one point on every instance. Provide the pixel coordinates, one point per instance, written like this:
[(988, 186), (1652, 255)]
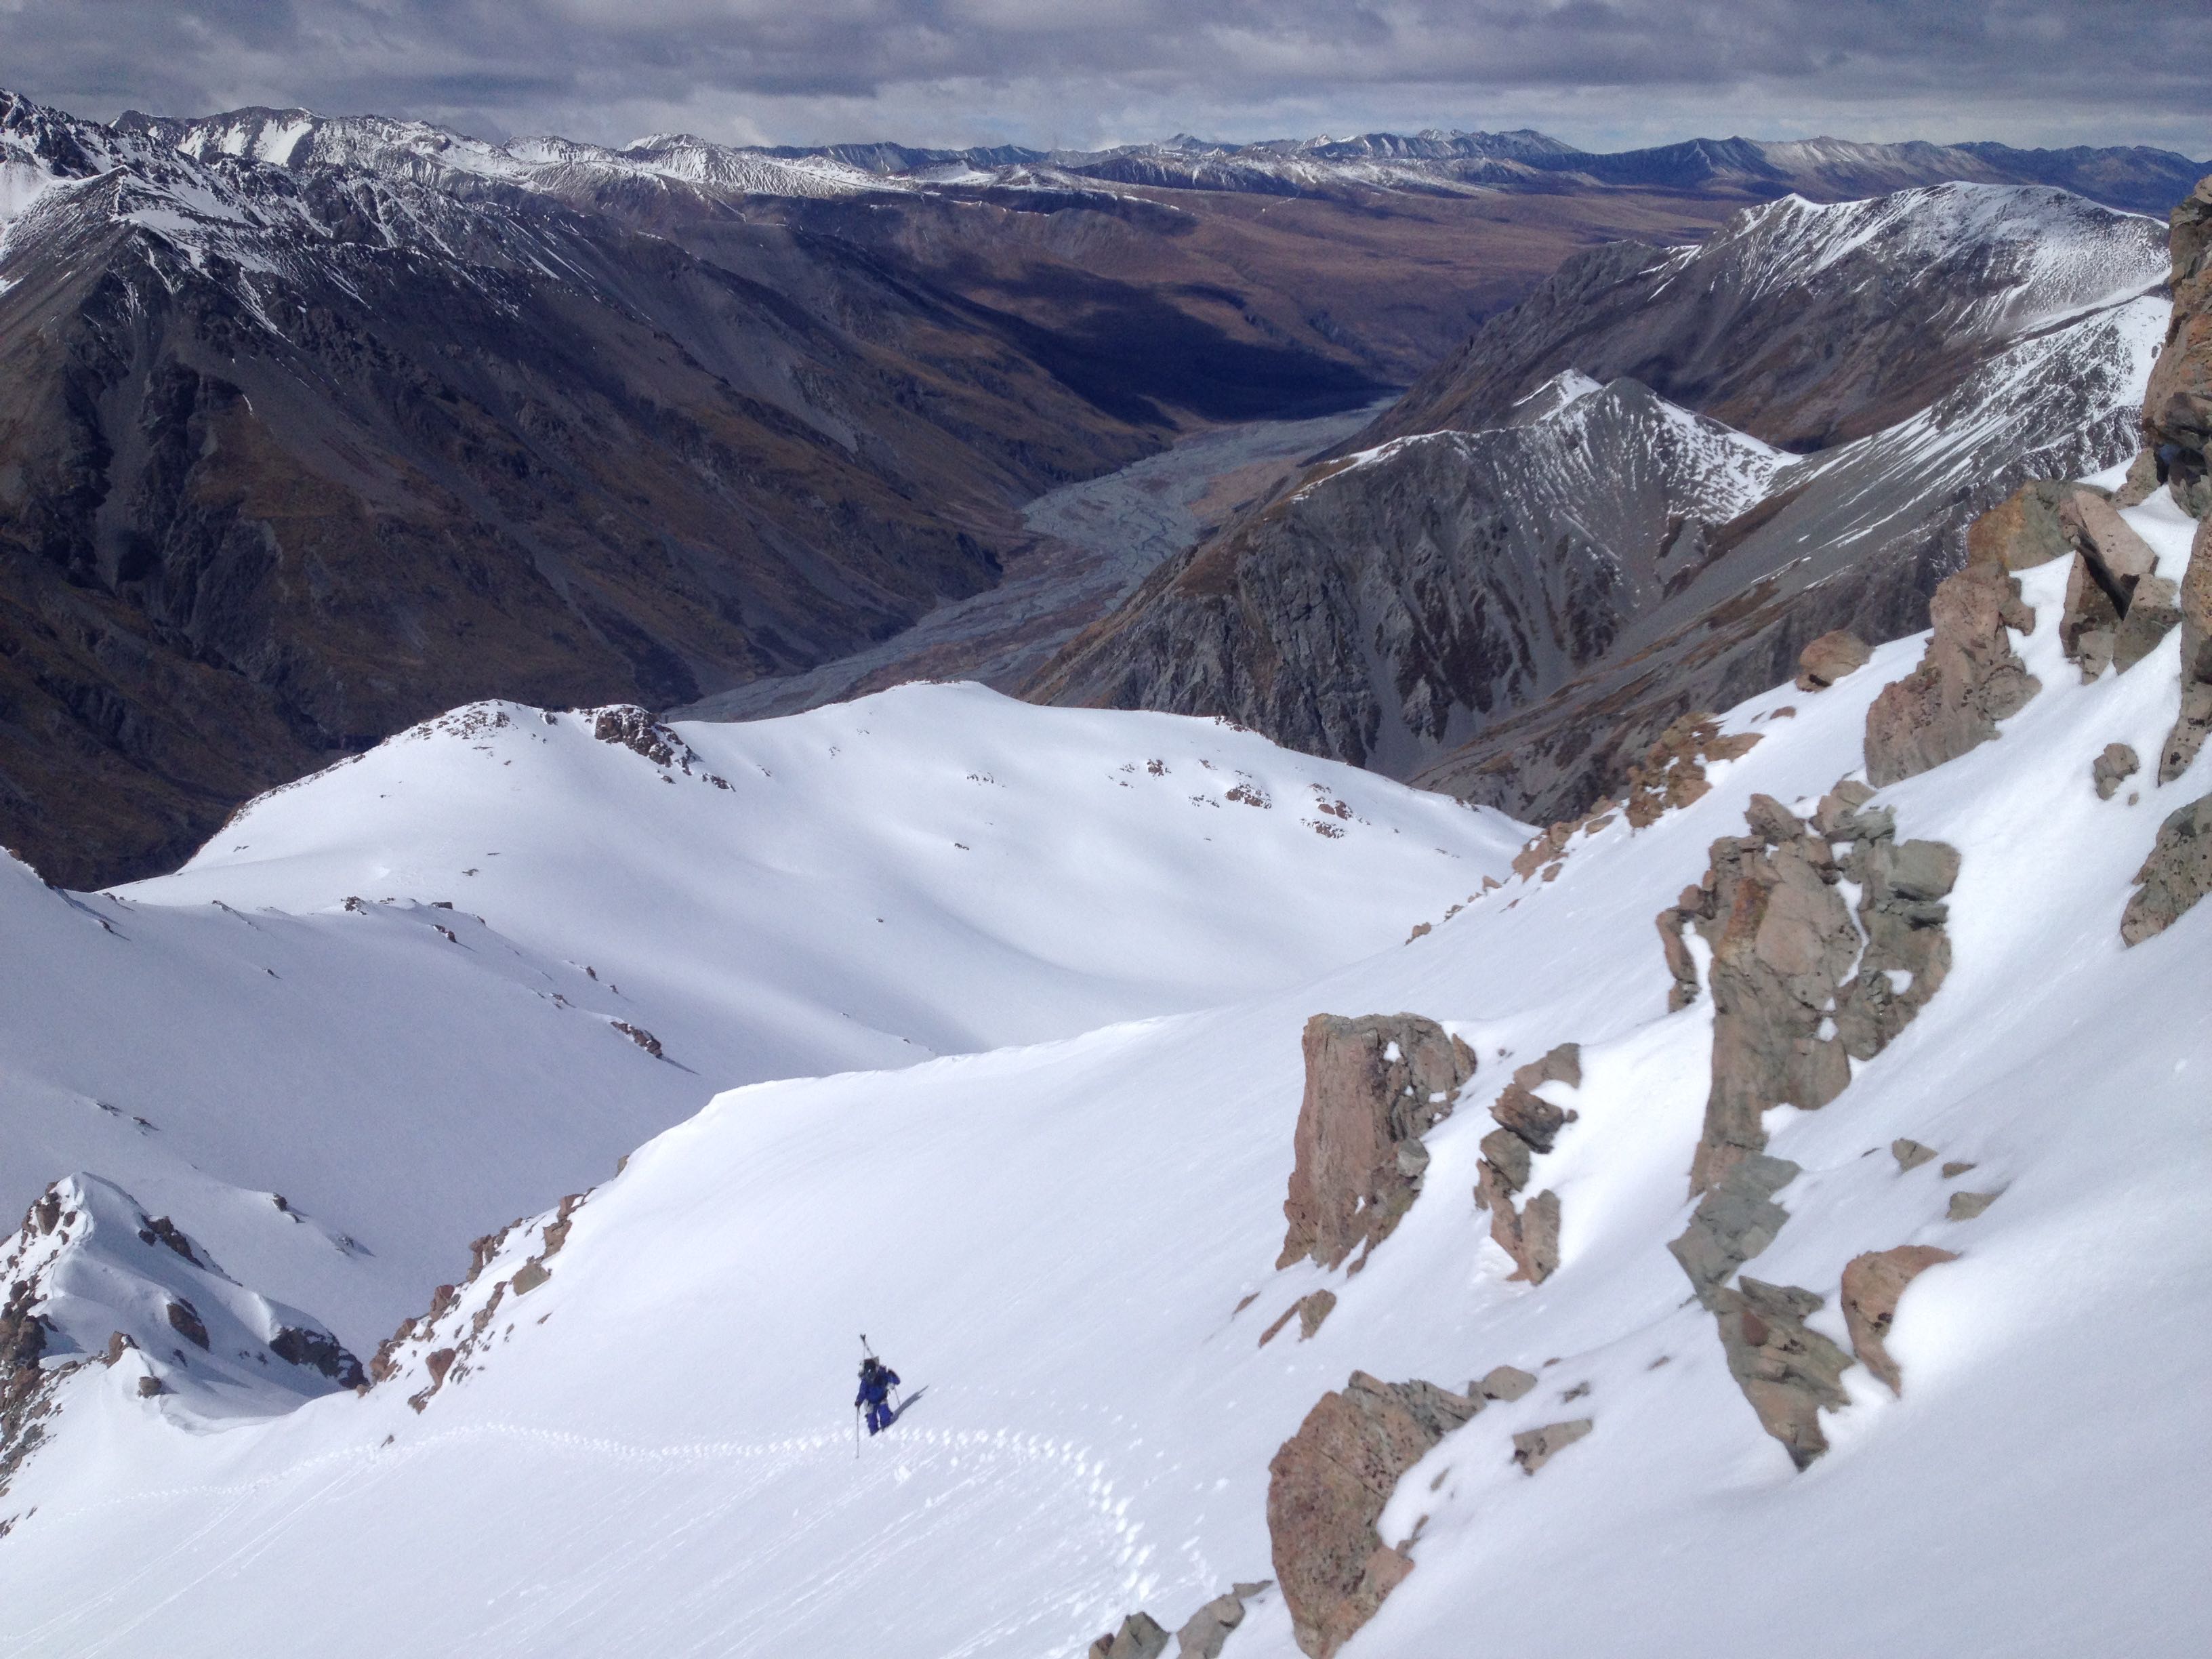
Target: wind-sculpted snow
[(1070, 1244)]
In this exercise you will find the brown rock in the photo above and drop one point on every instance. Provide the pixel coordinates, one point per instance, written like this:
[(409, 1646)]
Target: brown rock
[(2118, 608), (2113, 769), (529, 1276), (1534, 1447), (1911, 1155), (1831, 658), (2194, 601), (1969, 678), (1507, 1382), (1956, 1168), (1327, 1488), (2023, 531), (1206, 1630), (1310, 1311), (1787, 1371), (2177, 407), (1350, 1185), (2178, 872), (1527, 1124), (1672, 771), (1965, 1207), (186, 1321), (1873, 1283)]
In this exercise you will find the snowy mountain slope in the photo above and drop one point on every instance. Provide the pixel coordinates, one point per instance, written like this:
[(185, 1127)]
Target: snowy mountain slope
[(1805, 325), (934, 870), (1070, 1245)]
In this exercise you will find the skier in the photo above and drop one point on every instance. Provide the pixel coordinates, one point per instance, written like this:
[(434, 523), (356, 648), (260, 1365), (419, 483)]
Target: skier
[(877, 1382)]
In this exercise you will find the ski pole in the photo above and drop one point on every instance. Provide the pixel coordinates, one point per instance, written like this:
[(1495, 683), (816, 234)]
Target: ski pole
[(856, 1434)]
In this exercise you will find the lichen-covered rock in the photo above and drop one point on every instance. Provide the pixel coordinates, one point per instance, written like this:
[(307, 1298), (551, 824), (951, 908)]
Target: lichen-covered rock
[(1831, 658), (1969, 677), (1873, 1284), (2178, 872), (2113, 769), (1374, 1086), (2194, 602), (1327, 1488), (1788, 1371), (2177, 416)]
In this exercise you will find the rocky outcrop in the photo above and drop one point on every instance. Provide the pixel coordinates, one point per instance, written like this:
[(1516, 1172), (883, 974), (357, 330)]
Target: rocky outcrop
[(2194, 603), (2177, 418), (1801, 988), (1830, 658), (2113, 769), (1789, 1372), (2178, 872), (1373, 1087), (1907, 954), (1327, 1489), (1969, 677), (441, 1344), (1736, 1219), (2117, 607), (1671, 773), (1527, 1124), (1873, 1284), (1783, 942)]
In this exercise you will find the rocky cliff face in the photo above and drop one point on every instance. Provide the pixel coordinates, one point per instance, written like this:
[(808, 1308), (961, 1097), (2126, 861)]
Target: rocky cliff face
[(1374, 1086), (1513, 613)]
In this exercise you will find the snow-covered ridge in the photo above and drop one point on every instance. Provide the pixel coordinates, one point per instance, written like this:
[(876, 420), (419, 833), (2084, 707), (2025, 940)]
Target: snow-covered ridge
[(2039, 256), (438, 985)]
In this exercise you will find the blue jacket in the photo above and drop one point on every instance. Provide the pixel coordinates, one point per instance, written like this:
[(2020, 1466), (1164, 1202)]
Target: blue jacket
[(875, 1386)]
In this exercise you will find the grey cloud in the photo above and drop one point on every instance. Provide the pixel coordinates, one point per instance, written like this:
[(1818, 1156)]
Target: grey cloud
[(1596, 71)]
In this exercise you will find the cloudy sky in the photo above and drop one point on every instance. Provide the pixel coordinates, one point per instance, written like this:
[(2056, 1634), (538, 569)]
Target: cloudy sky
[(1601, 73)]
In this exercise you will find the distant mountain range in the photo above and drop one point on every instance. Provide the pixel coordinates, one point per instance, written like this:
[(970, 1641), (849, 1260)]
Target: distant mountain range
[(311, 427), (2141, 179)]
